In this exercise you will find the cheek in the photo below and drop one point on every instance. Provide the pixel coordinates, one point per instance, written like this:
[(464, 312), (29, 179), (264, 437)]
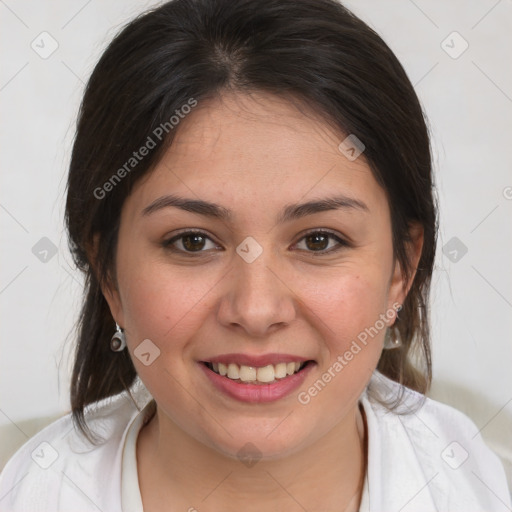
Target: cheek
[(347, 299), (167, 305), (349, 316), (168, 310), (348, 313)]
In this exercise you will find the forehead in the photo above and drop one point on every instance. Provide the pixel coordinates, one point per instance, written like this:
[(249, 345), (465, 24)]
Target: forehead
[(257, 150)]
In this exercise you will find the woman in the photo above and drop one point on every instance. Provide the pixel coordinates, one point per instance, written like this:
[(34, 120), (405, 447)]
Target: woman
[(250, 197)]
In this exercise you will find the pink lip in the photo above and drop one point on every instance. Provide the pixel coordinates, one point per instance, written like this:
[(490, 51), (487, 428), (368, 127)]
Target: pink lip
[(256, 360), (257, 393)]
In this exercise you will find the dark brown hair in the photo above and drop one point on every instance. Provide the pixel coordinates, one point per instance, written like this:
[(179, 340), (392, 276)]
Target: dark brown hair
[(314, 50)]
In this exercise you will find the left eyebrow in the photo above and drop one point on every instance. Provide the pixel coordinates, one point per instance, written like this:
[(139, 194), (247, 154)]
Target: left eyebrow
[(340, 202), (290, 212)]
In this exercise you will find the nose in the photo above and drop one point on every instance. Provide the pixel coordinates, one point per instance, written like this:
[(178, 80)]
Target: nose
[(257, 299)]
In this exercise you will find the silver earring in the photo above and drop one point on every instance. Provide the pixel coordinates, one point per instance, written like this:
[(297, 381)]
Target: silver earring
[(392, 339), (118, 341)]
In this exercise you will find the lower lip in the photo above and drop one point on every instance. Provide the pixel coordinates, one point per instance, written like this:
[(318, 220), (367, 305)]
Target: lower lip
[(257, 393)]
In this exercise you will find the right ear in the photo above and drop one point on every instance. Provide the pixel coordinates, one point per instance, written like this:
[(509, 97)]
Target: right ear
[(108, 287)]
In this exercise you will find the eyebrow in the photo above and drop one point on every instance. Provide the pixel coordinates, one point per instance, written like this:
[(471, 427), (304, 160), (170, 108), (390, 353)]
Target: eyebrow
[(289, 213)]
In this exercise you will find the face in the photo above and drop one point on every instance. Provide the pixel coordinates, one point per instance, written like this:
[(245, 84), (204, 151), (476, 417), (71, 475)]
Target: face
[(256, 281)]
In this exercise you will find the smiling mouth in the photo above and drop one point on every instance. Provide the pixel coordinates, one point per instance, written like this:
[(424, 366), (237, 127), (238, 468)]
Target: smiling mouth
[(257, 375)]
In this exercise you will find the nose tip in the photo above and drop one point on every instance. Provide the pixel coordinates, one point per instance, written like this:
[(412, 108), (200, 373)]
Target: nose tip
[(257, 299)]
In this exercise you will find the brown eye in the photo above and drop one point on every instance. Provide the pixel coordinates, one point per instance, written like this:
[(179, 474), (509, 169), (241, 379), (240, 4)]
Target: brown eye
[(321, 242), (317, 241), (193, 242), (189, 242)]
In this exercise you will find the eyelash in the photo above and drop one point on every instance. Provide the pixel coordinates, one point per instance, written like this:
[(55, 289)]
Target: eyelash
[(168, 244)]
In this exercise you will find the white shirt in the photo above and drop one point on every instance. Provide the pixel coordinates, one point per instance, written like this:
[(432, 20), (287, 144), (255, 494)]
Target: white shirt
[(433, 459)]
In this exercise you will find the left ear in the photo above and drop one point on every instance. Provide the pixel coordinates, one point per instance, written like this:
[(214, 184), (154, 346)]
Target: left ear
[(400, 284)]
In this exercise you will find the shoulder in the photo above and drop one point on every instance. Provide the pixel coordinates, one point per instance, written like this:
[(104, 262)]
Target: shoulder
[(413, 409), (59, 468), (446, 455)]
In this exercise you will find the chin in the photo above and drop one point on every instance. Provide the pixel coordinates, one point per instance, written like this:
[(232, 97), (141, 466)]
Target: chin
[(258, 446)]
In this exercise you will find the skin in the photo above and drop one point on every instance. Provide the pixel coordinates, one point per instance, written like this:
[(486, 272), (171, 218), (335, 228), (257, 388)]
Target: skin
[(254, 154)]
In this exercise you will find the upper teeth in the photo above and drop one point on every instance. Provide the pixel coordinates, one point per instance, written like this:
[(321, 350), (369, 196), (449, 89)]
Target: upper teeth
[(264, 374)]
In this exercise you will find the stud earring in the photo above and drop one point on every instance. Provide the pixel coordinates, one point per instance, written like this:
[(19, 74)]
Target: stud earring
[(392, 339), (118, 341)]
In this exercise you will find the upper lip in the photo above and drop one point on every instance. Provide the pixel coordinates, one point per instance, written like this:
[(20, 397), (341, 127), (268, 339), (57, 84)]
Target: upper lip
[(256, 360)]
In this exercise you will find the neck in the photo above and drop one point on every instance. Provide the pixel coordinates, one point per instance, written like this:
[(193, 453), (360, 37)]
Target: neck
[(176, 468)]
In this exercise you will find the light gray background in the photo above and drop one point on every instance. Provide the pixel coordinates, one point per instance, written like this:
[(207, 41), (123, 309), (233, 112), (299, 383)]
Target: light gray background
[(468, 101)]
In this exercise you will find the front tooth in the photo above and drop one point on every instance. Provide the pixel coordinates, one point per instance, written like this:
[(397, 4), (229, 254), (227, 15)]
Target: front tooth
[(247, 373), (233, 371), (266, 373), (280, 371)]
